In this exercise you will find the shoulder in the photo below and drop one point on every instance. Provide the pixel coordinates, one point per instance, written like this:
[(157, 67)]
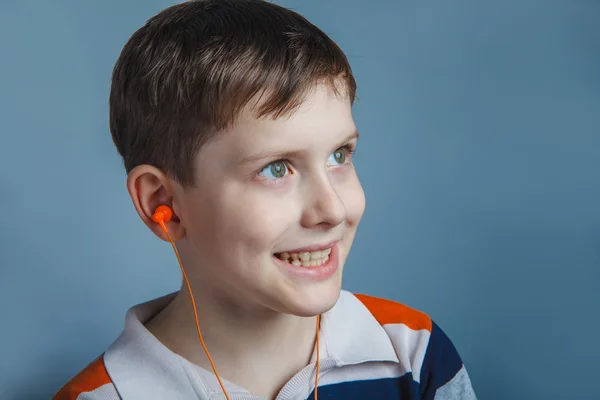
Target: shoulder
[(409, 330), (92, 383), (388, 312), (422, 344)]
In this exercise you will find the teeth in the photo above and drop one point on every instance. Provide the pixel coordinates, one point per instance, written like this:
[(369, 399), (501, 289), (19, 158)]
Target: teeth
[(306, 258)]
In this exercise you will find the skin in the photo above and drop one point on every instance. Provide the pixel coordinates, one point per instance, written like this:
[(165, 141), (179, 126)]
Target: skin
[(258, 321)]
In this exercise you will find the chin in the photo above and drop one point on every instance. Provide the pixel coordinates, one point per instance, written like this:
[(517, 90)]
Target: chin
[(315, 299)]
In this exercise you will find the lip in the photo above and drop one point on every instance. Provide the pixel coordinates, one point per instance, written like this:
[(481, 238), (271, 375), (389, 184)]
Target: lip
[(316, 247), (319, 273)]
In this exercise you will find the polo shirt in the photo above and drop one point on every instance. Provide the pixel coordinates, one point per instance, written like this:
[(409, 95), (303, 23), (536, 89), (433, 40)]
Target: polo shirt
[(370, 348)]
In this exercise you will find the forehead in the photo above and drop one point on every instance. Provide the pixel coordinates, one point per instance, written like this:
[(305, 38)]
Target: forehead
[(324, 114)]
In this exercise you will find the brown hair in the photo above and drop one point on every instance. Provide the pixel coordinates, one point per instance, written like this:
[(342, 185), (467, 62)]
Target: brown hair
[(189, 71)]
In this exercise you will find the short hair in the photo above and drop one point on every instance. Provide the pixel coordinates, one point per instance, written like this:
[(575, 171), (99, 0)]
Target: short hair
[(189, 71)]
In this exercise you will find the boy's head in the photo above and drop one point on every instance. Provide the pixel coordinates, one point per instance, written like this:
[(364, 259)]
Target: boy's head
[(237, 114)]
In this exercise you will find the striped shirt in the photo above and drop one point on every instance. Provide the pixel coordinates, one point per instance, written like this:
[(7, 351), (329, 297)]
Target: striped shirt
[(371, 348)]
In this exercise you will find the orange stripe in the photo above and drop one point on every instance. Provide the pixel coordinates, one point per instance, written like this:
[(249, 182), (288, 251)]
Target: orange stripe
[(92, 377), (390, 312)]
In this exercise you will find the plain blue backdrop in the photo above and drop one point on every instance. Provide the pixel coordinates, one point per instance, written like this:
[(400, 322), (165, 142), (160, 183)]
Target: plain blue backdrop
[(479, 154)]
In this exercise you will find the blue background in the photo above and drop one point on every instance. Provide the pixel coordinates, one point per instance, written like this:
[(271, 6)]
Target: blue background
[(479, 154)]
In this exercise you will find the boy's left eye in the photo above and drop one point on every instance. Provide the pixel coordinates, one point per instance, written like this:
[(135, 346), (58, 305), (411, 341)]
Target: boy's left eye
[(338, 157)]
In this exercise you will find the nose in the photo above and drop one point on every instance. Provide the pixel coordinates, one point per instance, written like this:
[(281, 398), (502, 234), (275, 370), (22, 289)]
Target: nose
[(324, 207)]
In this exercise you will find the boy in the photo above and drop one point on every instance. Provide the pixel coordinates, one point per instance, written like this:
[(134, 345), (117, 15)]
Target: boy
[(236, 115)]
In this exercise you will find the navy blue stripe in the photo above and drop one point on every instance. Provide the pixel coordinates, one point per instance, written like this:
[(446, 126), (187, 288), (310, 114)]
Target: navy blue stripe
[(402, 388), (440, 365)]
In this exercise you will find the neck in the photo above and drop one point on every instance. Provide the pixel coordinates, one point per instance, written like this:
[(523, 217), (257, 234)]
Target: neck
[(257, 349)]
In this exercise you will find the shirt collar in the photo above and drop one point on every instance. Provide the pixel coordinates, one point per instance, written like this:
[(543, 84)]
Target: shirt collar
[(142, 367), (353, 336)]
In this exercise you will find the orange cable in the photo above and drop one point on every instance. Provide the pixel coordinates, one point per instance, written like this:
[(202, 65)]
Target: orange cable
[(318, 357), (187, 282)]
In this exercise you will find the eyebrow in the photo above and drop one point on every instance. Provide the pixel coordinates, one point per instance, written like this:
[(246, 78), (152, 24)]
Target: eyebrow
[(289, 154)]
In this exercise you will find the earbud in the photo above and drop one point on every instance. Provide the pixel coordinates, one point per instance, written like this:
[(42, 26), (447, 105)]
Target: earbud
[(162, 215)]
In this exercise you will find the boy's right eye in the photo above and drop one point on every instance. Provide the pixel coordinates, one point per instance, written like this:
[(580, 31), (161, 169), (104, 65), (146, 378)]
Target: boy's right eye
[(275, 170)]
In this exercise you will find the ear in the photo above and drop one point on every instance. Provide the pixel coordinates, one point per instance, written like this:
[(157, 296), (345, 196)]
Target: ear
[(149, 187)]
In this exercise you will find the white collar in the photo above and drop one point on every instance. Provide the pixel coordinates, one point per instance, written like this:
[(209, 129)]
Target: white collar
[(353, 335), (141, 367)]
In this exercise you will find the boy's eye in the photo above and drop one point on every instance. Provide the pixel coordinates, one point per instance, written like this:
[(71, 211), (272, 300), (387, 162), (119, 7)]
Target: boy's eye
[(275, 170), (338, 157)]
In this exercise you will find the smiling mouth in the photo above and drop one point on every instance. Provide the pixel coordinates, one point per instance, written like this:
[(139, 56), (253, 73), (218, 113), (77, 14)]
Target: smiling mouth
[(305, 258)]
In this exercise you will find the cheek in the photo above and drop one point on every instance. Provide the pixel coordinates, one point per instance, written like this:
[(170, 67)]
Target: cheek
[(254, 220), (353, 196)]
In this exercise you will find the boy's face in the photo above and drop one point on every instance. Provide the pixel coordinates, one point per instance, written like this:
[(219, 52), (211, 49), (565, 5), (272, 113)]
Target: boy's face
[(266, 187)]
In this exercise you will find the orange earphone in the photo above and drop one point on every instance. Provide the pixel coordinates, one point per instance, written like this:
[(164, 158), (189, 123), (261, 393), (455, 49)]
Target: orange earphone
[(161, 216)]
